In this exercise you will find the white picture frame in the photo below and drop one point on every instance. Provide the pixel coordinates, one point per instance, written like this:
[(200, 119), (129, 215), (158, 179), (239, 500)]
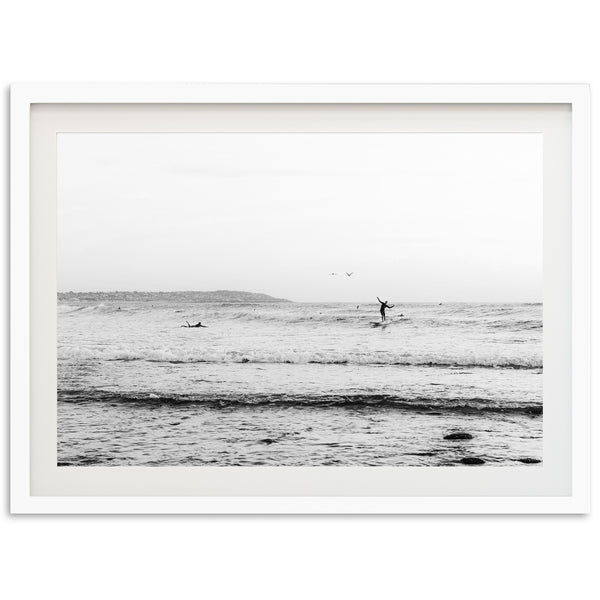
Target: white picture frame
[(28, 422)]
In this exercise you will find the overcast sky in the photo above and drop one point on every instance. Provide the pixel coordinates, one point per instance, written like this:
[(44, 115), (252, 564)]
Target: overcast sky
[(416, 217)]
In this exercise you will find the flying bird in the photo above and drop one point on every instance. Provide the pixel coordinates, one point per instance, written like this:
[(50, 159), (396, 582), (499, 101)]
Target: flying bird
[(349, 274)]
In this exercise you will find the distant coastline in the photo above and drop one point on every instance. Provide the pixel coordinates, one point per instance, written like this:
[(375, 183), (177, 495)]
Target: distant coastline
[(180, 296)]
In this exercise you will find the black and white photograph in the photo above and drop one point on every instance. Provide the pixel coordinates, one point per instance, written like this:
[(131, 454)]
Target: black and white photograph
[(300, 299)]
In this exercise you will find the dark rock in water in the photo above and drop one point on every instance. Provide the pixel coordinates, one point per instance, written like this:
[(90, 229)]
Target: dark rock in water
[(458, 436), (472, 460), (529, 461), (266, 441)]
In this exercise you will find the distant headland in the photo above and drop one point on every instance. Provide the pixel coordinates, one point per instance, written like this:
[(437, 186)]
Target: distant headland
[(184, 296)]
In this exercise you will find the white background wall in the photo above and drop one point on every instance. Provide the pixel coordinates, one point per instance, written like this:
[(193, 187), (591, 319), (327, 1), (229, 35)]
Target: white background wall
[(523, 41)]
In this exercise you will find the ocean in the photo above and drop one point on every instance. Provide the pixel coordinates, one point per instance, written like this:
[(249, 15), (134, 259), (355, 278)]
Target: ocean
[(297, 384)]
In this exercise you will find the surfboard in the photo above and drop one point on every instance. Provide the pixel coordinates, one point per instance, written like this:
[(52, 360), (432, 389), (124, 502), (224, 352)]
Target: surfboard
[(378, 323)]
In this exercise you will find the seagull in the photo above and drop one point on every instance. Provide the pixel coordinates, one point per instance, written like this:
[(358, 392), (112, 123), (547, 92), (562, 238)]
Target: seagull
[(349, 274)]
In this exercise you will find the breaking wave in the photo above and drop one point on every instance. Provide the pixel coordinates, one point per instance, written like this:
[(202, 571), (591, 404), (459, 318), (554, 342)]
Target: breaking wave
[(175, 356), (427, 404)]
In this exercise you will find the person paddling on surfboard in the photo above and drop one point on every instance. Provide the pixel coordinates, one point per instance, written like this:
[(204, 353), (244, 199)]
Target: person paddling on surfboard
[(384, 305), (198, 324)]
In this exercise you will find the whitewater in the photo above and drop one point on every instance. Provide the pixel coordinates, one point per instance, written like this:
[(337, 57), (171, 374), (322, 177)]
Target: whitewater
[(287, 383)]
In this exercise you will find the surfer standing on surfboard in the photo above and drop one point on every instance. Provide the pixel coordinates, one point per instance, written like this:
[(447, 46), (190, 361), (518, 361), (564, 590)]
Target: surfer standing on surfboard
[(384, 305)]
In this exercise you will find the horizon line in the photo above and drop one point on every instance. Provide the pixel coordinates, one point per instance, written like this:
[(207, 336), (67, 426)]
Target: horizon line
[(364, 301)]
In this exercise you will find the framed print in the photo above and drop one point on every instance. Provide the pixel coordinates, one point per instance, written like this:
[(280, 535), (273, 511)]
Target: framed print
[(300, 298)]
